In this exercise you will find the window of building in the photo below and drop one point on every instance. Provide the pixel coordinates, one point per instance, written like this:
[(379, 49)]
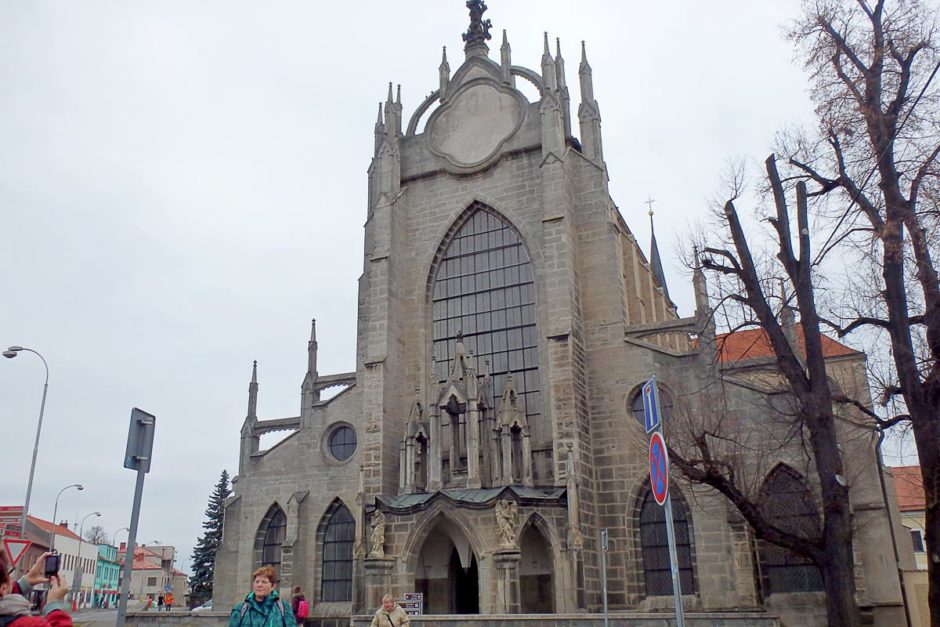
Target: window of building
[(275, 528), (786, 500), (917, 539), (151, 581), (654, 543), (665, 406), (342, 443), (336, 583), (484, 288)]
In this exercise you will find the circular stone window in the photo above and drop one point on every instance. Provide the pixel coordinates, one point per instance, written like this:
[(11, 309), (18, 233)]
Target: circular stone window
[(342, 443)]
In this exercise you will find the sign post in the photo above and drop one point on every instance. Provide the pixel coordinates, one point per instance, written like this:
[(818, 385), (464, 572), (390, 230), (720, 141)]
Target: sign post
[(136, 457), (659, 483)]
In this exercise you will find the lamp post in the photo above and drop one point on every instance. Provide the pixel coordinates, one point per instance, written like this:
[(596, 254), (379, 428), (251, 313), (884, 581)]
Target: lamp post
[(55, 510), (10, 353), (127, 551), (77, 578)]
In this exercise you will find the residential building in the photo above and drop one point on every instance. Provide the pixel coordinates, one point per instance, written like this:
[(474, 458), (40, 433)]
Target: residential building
[(909, 487), (153, 572), (107, 576)]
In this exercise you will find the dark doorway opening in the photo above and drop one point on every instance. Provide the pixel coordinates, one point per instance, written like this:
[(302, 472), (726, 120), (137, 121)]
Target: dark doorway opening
[(466, 590)]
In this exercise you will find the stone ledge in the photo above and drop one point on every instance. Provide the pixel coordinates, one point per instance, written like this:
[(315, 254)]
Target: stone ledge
[(617, 619)]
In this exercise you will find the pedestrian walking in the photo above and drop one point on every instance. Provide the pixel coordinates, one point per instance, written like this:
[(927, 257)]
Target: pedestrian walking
[(390, 614)]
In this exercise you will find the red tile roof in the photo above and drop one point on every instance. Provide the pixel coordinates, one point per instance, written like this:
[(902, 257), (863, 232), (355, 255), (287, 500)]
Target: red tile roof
[(909, 487), (48, 527), (754, 344)]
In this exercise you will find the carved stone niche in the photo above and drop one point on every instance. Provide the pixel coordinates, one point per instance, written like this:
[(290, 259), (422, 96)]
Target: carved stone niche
[(471, 128)]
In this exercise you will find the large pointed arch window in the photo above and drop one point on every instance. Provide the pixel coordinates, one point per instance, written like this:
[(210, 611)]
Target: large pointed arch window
[(338, 533), (484, 288), (787, 502), (654, 545), (270, 537)]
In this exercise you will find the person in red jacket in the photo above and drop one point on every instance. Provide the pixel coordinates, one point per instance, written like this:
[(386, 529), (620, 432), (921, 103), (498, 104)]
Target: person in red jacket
[(14, 597)]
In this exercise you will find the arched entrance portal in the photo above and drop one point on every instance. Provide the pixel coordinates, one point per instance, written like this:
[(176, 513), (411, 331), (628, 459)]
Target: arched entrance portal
[(447, 572), (535, 572)]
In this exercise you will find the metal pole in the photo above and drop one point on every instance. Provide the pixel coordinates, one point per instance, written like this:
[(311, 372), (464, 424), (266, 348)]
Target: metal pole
[(131, 541), (32, 466), (676, 584), (604, 573), (55, 509)]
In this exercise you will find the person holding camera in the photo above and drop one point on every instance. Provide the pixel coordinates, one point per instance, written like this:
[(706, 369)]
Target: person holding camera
[(14, 596)]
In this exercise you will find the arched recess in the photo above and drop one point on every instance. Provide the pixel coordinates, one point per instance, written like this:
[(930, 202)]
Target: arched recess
[(270, 536), (445, 558), (336, 535), (482, 285), (537, 568), (653, 543), (786, 500)]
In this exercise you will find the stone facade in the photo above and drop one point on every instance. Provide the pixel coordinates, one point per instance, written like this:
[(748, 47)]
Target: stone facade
[(506, 319)]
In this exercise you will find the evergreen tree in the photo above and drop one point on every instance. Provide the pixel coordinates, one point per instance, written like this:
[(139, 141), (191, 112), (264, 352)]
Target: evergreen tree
[(206, 547)]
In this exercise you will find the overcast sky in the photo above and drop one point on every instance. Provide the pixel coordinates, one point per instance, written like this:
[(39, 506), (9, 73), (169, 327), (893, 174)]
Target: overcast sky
[(183, 187)]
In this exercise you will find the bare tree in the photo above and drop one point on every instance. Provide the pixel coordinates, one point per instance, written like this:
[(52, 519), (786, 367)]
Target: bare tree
[(807, 410), (873, 170), (96, 535)]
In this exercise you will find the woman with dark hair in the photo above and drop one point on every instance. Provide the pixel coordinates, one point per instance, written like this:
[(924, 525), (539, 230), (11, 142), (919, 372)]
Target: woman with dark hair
[(262, 607), (14, 597), (299, 605)]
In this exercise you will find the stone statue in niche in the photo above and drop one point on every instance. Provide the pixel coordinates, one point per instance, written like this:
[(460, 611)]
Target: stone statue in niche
[(506, 512), (377, 537)]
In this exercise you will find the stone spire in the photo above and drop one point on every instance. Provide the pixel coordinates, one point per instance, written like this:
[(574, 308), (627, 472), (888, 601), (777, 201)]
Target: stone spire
[(479, 31), (312, 351), (253, 393), (505, 59), (561, 81), (656, 262), (548, 68), (589, 113), (444, 71)]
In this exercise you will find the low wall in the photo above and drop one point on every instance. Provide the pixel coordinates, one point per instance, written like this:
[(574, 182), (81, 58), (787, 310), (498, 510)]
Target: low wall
[(619, 619)]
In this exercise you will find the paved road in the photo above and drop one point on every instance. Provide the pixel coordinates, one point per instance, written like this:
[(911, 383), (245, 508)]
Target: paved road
[(95, 618)]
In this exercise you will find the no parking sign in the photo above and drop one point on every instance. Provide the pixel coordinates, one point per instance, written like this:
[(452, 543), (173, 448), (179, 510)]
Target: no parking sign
[(659, 468)]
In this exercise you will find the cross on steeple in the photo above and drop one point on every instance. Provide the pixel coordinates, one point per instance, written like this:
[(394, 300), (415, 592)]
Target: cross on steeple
[(649, 203)]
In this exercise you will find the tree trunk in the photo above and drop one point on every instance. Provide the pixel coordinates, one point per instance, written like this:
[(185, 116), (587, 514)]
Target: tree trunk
[(841, 609), (926, 438)]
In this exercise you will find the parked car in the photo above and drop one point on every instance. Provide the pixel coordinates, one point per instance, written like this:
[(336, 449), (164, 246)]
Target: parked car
[(205, 607)]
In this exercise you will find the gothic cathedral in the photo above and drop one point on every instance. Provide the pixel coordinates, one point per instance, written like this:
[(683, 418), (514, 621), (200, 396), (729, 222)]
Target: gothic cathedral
[(506, 319)]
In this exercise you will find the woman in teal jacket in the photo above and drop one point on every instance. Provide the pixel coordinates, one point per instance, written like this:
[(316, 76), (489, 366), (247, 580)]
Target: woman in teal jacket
[(262, 607)]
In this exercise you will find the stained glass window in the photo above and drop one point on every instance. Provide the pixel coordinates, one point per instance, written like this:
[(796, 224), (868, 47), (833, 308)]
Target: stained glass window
[(336, 584), (654, 544), (484, 287), (787, 501)]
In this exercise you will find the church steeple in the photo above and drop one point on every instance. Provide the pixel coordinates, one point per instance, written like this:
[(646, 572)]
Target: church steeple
[(656, 262), (561, 81), (250, 441)]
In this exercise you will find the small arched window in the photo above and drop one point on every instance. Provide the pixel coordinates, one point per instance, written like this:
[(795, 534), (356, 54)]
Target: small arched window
[(654, 545), (338, 537), (786, 501), (665, 405), (270, 537)]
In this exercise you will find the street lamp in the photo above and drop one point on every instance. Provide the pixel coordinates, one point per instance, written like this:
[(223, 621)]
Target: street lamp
[(10, 353), (77, 578), (55, 510)]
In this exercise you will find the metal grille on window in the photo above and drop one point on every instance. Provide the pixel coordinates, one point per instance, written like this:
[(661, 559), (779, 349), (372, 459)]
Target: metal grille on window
[(274, 538), (786, 500), (337, 556), (665, 406), (654, 544), (342, 443), (485, 288)]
